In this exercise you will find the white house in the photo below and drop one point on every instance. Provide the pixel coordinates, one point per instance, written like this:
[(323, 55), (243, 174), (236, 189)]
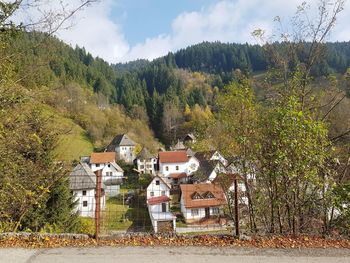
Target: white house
[(201, 201), (82, 181), (124, 147), (146, 163), (158, 197), (176, 166), (112, 174)]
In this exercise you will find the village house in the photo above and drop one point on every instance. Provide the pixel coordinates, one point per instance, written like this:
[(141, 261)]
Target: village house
[(200, 202), (146, 163), (158, 197), (82, 182), (211, 156), (176, 166), (112, 173), (189, 139), (124, 147)]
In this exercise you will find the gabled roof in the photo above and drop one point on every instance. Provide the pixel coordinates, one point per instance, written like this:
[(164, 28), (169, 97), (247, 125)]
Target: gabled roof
[(120, 140), (207, 155), (179, 146), (162, 180), (82, 177), (117, 167), (105, 157), (173, 157), (178, 175), (189, 136), (187, 191), (144, 154), (158, 200)]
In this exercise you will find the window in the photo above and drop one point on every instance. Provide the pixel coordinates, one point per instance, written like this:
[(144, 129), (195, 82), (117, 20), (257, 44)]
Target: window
[(84, 192), (85, 204), (151, 193), (142, 166), (163, 207), (157, 182), (109, 165), (166, 168), (177, 167), (196, 196), (163, 193), (208, 195), (194, 212), (97, 165), (215, 210)]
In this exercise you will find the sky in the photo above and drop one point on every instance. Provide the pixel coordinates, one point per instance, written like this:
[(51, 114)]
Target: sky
[(125, 30)]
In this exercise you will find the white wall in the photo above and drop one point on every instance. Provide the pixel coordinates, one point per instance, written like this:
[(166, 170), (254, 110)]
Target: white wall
[(187, 213), (125, 153), (107, 168), (89, 210), (148, 165), (182, 168), (157, 189)]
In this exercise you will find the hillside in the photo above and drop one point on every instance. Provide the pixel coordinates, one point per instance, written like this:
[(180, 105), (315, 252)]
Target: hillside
[(155, 93)]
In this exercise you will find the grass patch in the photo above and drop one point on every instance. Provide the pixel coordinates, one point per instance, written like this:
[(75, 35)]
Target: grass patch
[(114, 216)]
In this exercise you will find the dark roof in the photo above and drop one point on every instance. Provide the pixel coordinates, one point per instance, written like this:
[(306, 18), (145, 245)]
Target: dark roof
[(204, 155), (189, 136), (82, 177), (173, 157), (120, 140), (145, 154)]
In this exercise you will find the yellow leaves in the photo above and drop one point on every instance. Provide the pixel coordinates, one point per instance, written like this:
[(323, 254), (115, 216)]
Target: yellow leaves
[(34, 241)]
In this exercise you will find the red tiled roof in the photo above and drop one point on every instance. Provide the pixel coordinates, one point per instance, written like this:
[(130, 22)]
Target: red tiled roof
[(187, 190), (178, 175), (158, 200), (106, 157), (173, 157)]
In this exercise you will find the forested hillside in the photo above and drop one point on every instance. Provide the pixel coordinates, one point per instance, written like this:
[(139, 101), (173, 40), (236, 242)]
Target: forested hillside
[(156, 93)]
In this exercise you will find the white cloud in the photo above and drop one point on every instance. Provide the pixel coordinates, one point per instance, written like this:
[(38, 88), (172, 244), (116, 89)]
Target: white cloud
[(225, 21), (94, 30)]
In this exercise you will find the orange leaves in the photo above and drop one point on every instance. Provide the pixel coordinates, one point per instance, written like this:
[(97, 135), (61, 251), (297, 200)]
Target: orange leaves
[(201, 240)]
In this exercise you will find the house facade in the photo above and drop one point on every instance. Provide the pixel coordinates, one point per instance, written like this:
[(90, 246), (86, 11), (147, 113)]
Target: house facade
[(201, 201), (146, 163), (158, 197), (112, 173), (177, 165), (82, 182), (124, 147)]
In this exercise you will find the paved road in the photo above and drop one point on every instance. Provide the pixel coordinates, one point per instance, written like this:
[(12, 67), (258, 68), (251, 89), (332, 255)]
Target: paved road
[(170, 255)]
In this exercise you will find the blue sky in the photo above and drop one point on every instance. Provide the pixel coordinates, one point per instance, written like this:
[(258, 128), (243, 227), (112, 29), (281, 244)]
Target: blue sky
[(148, 18), (125, 30)]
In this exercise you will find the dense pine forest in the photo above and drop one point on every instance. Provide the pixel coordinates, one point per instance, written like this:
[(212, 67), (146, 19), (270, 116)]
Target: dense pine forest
[(157, 92)]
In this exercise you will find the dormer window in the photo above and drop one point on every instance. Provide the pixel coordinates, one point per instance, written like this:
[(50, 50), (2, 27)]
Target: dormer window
[(208, 195), (196, 196)]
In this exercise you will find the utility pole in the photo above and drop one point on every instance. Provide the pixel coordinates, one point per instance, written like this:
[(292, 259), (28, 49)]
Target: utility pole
[(236, 207), (98, 174)]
